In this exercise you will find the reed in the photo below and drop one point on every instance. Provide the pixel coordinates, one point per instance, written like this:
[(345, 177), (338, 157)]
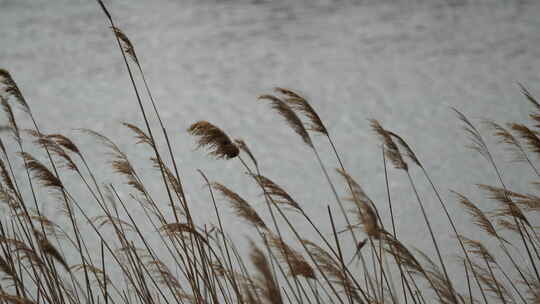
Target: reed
[(183, 260)]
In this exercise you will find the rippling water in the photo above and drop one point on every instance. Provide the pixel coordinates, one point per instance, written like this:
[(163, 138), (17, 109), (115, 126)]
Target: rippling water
[(402, 62)]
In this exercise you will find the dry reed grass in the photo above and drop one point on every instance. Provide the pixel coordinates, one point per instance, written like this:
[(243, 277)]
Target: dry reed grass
[(189, 261)]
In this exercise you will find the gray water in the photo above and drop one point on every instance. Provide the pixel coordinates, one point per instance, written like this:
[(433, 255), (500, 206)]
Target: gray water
[(404, 63)]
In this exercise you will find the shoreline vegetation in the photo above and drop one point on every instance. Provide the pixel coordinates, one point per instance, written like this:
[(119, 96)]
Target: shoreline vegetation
[(204, 264)]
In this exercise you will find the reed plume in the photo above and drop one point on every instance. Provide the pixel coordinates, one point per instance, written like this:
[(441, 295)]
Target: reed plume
[(240, 206), (15, 299), (278, 194), (530, 137), (535, 115), (127, 46), (267, 282), (479, 217), (298, 266), (64, 142), (300, 104), (12, 89), (41, 172), (178, 228), (290, 117), (140, 135), (219, 144), (391, 149), (49, 249)]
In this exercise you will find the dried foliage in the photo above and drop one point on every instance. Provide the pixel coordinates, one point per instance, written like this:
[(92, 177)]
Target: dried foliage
[(505, 137), (103, 220), (270, 288), (528, 135), (41, 173), (139, 134), (364, 207), (12, 123), (240, 206), (170, 177), (127, 46), (290, 117), (504, 197), (477, 141), (278, 195), (15, 299), (535, 115), (219, 144), (479, 217), (408, 150), (390, 148), (301, 105), (49, 249), (64, 142), (298, 266), (179, 228), (332, 268), (11, 88)]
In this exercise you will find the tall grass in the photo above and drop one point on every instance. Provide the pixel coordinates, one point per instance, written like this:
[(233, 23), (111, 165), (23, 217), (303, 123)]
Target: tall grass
[(188, 261)]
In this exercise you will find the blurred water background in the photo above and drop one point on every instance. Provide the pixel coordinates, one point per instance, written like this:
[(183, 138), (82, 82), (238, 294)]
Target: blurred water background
[(404, 63)]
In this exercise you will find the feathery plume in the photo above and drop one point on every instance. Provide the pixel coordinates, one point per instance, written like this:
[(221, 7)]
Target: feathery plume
[(12, 89), (41, 172), (508, 225), (49, 249), (171, 178), (477, 248), (215, 139), (127, 46), (298, 266), (327, 264), (479, 217), (287, 92), (358, 196), (408, 150), (391, 149), (290, 117), (505, 137), (6, 268), (300, 104), (279, 196), (534, 116), (368, 220), (64, 142), (240, 206), (12, 125), (163, 275), (530, 137), (491, 284), (140, 135), (364, 207), (438, 281), (174, 228), (270, 289), (15, 299), (478, 144), (403, 255), (6, 177), (98, 272), (48, 143), (102, 220), (120, 162), (509, 207)]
